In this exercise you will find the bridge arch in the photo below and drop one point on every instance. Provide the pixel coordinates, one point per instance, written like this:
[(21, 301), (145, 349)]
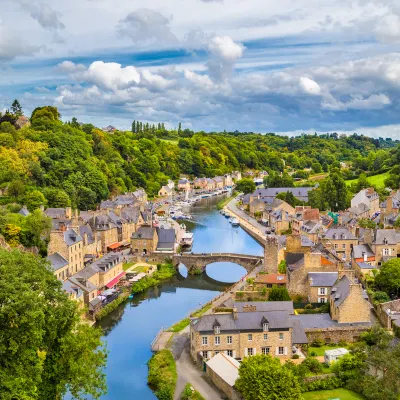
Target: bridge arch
[(227, 272)]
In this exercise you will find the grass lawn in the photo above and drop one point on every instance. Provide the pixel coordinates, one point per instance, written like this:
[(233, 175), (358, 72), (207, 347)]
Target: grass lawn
[(321, 350), (342, 394), (376, 180), (127, 265), (141, 268)]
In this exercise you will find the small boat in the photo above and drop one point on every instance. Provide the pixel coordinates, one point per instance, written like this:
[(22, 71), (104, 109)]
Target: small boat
[(227, 215), (234, 221)]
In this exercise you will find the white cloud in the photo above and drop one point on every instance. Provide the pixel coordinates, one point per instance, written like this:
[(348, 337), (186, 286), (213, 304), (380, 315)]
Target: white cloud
[(310, 86), (146, 26), (224, 53), (44, 15), (373, 102)]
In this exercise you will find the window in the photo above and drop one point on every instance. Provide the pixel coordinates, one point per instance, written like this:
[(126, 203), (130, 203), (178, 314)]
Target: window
[(343, 246), (281, 351), (265, 350), (269, 285), (265, 336), (321, 299), (217, 330), (250, 351), (217, 340), (205, 340), (250, 337), (229, 339), (336, 246), (265, 326), (281, 336), (322, 291), (229, 353), (386, 252), (216, 352)]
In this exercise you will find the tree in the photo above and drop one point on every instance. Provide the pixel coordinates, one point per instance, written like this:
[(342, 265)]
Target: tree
[(388, 278), (134, 126), (179, 129), (282, 267), (316, 167), (16, 108), (366, 223), (279, 294), (246, 185), (45, 348), (264, 378), (362, 183), (34, 200), (57, 198), (274, 180)]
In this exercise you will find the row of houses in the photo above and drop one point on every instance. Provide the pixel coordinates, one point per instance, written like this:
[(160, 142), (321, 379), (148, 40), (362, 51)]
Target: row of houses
[(218, 182)]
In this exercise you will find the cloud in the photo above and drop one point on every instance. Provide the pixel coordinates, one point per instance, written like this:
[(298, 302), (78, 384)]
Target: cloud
[(70, 67), (224, 53), (146, 26), (44, 15), (373, 102), (310, 86)]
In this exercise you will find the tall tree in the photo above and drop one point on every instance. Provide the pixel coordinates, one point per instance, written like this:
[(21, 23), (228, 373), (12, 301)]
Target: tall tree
[(246, 186), (45, 348), (179, 128), (134, 126), (16, 108)]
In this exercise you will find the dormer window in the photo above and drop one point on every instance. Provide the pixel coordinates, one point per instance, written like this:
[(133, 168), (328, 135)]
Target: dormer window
[(385, 241), (265, 327), (217, 330)]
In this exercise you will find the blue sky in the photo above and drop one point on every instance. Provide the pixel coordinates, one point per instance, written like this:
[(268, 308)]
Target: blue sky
[(252, 65)]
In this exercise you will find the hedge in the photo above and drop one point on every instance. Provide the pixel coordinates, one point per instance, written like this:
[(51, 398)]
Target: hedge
[(322, 383), (165, 272), (162, 375), (111, 306)]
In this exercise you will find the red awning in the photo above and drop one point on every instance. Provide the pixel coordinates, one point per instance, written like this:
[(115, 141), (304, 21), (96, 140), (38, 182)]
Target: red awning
[(115, 280), (114, 246)]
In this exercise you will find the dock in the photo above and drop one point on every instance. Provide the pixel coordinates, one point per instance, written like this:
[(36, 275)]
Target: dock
[(161, 340)]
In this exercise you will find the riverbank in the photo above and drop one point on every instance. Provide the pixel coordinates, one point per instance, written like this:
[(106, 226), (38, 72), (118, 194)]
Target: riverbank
[(222, 203), (163, 273)]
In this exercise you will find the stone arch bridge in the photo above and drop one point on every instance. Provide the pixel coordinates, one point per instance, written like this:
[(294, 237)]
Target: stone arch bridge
[(200, 261)]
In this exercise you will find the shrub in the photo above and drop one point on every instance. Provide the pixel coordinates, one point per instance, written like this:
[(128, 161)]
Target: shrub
[(295, 356), (158, 267), (111, 306), (313, 354), (342, 343), (317, 343), (162, 374), (313, 365), (282, 267), (322, 384)]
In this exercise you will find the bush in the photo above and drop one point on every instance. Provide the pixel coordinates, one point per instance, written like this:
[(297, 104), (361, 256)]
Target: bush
[(313, 365), (313, 354), (158, 267), (188, 394), (342, 343), (322, 384), (111, 306), (317, 343), (295, 356), (308, 306), (162, 375)]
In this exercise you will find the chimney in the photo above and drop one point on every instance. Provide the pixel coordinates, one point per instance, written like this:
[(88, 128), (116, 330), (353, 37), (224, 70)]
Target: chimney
[(389, 203), (368, 236), (235, 313), (365, 256), (68, 212)]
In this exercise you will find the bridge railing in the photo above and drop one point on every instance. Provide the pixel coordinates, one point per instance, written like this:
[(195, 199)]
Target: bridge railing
[(218, 255)]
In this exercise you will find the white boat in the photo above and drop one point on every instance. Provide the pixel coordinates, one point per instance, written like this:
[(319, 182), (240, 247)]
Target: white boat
[(234, 221), (187, 239)]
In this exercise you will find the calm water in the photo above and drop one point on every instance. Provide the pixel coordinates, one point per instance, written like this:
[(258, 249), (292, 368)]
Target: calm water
[(130, 329)]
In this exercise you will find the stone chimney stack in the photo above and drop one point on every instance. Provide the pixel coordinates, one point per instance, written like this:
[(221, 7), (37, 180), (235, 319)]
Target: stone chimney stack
[(235, 313), (271, 255), (68, 212), (389, 203), (368, 236)]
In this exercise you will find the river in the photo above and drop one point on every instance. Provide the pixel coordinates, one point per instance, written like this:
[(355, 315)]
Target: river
[(129, 330)]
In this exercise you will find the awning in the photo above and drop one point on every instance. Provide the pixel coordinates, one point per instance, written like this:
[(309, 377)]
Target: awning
[(114, 246), (115, 280)]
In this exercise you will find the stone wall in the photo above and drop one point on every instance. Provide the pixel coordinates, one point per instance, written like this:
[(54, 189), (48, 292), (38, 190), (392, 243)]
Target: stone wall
[(349, 334), (228, 390), (271, 257), (384, 316)]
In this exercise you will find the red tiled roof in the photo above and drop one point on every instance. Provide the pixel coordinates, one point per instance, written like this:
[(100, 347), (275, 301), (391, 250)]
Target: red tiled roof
[(271, 278), (115, 280), (114, 246)]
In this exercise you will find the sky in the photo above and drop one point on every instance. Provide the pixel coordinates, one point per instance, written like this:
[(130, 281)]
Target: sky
[(287, 66)]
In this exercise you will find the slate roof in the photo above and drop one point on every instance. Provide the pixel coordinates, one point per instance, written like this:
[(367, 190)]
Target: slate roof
[(57, 261), (361, 249), (144, 232), (55, 212), (325, 279), (246, 199), (338, 234), (81, 281), (298, 335), (71, 287), (60, 223), (390, 235), (71, 237), (341, 290), (323, 321), (166, 236), (364, 265), (306, 241), (24, 211), (102, 222), (299, 192), (266, 306), (88, 230)]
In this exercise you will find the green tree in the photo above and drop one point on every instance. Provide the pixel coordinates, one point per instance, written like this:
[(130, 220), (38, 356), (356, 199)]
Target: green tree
[(388, 278), (16, 108), (57, 198), (282, 267), (7, 127), (34, 200), (279, 294), (366, 223), (362, 183), (316, 167), (275, 180), (264, 378), (246, 186), (45, 348)]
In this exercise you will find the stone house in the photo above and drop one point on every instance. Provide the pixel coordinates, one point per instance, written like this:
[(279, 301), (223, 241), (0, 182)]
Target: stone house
[(165, 191), (390, 209), (362, 269), (341, 241), (144, 240), (280, 215), (236, 176), (367, 200), (140, 195), (134, 218), (384, 243), (257, 206), (69, 244), (59, 264), (271, 280), (105, 229), (228, 181), (91, 246), (200, 183), (313, 230), (210, 184), (348, 302), (244, 334), (303, 214), (363, 253), (320, 285), (389, 314), (166, 240), (219, 182), (183, 184), (75, 292)]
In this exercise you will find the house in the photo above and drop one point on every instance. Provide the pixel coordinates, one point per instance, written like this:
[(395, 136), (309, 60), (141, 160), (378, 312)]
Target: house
[(165, 191), (333, 355), (59, 264), (183, 184), (390, 209), (68, 244), (363, 269), (320, 285), (144, 240), (59, 213), (223, 371), (200, 183), (75, 292), (384, 243), (363, 253), (389, 314), (166, 240), (210, 184), (341, 241), (269, 194), (271, 280), (348, 302), (105, 229), (304, 214), (313, 230), (367, 200), (91, 246), (219, 182), (140, 195), (228, 181), (109, 129), (278, 215), (244, 334)]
